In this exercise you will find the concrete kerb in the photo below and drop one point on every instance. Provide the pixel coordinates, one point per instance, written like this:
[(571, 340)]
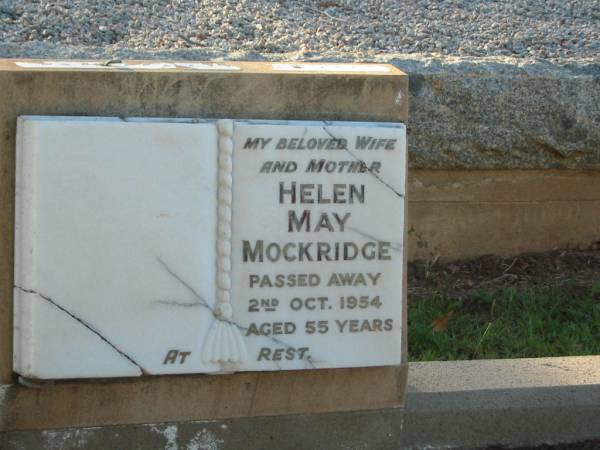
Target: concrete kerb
[(519, 402), (467, 404)]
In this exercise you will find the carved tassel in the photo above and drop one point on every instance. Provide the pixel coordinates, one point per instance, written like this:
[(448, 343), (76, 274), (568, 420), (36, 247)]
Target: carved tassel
[(224, 342)]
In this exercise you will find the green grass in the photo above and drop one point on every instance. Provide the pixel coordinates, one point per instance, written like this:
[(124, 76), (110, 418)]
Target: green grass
[(507, 323)]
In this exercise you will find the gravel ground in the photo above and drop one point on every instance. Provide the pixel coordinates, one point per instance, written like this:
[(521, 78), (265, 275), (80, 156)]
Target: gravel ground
[(357, 28)]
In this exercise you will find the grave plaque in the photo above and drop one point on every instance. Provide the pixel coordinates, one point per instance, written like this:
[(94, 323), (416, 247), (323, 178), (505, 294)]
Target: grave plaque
[(317, 249), (130, 193), (156, 246)]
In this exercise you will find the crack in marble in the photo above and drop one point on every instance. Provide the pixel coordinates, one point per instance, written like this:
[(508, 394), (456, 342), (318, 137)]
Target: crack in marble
[(370, 236), (377, 177), (176, 303), (313, 362), (86, 325), (201, 300), (203, 303)]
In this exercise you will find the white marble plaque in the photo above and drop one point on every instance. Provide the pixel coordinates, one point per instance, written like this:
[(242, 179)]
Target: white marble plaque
[(318, 231), (157, 246)]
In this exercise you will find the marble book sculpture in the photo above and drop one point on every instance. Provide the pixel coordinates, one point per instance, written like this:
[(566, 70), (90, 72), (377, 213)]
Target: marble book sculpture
[(164, 246)]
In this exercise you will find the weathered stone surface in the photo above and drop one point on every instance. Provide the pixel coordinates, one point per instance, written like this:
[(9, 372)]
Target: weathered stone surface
[(456, 214), (469, 113), (500, 113)]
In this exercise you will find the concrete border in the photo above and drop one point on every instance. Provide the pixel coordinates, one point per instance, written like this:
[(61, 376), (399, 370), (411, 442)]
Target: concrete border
[(466, 404), (518, 402), (458, 214)]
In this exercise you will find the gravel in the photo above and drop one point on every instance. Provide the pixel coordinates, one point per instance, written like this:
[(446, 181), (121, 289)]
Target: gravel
[(360, 28)]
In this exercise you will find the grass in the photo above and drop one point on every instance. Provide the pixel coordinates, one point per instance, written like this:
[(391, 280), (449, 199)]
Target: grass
[(506, 323)]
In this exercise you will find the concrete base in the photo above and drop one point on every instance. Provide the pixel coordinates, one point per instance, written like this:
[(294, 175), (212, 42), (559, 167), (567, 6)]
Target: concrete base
[(467, 404), (456, 214), (515, 402)]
